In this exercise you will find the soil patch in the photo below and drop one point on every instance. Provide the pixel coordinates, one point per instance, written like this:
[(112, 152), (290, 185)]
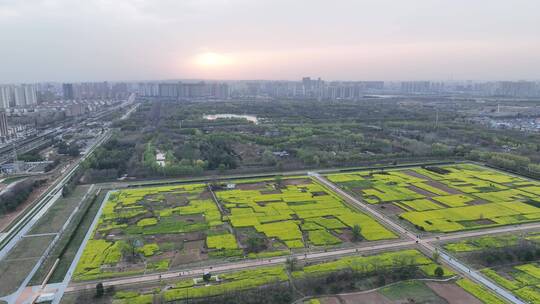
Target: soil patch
[(443, 187), (390, 209), (251, 186), (453, 293), (415, 174), (478, 202), (191, 253), (421, 191)]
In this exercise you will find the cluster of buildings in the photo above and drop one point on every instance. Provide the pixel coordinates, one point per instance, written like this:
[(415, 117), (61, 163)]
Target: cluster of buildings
[(311, 89), (29, 96), (351, 90), (491, 88), (94, 90), (184, 90), (21, 95)]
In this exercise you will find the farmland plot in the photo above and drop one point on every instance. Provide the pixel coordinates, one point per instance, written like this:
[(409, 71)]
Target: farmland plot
[(152, 229), (447, 198), (160, 228), (295, 213)]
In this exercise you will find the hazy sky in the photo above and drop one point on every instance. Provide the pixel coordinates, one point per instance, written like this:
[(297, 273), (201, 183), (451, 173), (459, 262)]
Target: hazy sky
[(79, 40)]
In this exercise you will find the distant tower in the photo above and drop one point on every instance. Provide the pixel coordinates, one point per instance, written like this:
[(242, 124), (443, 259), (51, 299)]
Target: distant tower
[(498, 108)]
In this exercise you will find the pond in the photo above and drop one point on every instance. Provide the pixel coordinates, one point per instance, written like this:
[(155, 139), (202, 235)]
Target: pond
[(251, 118)]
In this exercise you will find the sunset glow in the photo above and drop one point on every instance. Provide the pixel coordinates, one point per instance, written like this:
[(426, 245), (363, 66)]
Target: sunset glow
[(212, 60)]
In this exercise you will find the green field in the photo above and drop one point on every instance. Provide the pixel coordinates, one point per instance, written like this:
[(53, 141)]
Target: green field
[(448, 198), (150, 229)]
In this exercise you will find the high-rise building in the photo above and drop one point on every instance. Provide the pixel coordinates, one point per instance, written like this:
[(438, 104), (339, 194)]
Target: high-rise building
[(69, 93), (517, 88), (168, 90), (5, 97), (30, 94), (148, 89), (19, 97), (4, 132), (24, 95)]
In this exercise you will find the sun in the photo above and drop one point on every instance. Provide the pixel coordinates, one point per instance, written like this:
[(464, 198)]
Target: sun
[(211, 59)]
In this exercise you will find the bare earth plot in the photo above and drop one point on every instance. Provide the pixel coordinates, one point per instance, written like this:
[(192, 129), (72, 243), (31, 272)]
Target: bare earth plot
[(447, 198)]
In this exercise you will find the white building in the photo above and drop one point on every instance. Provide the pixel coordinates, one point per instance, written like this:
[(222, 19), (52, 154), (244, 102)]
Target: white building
[(30, 94), (5, 97), (24, 95), (18, 94)]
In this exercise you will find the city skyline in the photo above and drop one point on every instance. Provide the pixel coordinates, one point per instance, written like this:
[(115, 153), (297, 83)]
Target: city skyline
[(133, 40)]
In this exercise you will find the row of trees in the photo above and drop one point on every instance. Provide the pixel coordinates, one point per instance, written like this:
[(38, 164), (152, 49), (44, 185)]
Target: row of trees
[(17, 194), (508, 161)]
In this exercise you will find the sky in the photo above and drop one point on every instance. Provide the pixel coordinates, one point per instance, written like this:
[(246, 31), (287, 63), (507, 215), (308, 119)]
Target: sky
[(95, 40)]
